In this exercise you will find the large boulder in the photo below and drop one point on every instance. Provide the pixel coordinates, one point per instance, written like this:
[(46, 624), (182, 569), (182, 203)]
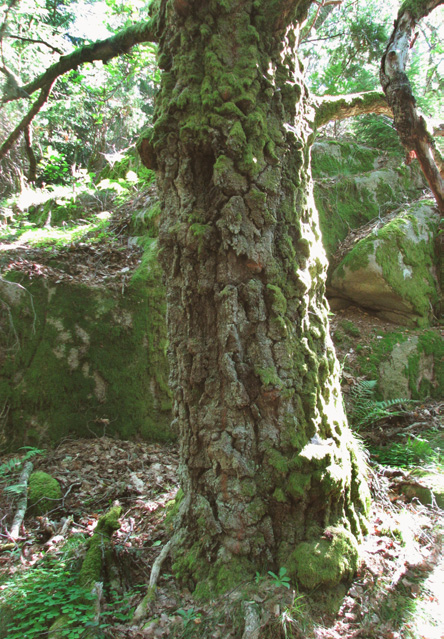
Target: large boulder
[(407, 364), (355, 184), (79, 360), (393, 271)]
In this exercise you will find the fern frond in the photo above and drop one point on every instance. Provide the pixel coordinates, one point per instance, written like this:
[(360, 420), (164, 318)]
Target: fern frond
[(9, 465), (366, 410)]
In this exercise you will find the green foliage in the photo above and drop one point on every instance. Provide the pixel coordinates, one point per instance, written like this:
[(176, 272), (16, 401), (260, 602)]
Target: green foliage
[(376, 131), (16, 464), (344, 48), (280, 579), (32, 600), (188, 615), (366, 410), (54, 167), (10, 469), (414, 451)]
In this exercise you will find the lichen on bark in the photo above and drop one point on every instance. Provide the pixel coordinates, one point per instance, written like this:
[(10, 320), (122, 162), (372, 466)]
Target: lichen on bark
[(267, 461)]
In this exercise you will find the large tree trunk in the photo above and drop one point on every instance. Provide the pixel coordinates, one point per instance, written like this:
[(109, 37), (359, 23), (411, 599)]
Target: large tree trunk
[(267, 461)]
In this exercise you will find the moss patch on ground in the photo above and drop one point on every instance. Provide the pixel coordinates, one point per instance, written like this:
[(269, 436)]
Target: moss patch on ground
[(44, 493), (99, 547)]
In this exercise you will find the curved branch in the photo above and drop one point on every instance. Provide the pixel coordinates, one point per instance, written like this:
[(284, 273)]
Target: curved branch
[(410, 125), (103, 50), (339, 107), (46, 44), (12, 139)]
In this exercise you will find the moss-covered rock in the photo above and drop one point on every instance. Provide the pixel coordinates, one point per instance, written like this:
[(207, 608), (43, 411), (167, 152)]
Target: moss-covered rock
[(44, 493), (393, 270), (326, 561), (79, 360), (356, 184), (406, 364)]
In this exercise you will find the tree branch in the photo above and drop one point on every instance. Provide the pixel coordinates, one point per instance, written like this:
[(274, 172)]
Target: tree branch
[(16, 37), (22, 502), (410, 125), (32, 173), (103, 50), (339, 107), (12, 139)]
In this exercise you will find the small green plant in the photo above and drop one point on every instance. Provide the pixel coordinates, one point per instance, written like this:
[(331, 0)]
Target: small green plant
[(258, 578), (120, 607), (12, 467), (31, 601), (366, 410), (293, 619), (188, 615), (281, 579)]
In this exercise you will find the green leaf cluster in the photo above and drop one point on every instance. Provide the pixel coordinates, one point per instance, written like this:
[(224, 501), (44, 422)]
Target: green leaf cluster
[(32, 600)]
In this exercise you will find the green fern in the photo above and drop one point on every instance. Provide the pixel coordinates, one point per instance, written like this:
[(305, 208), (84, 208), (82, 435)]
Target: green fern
[(14, 464), (412, 452), (366, 410)]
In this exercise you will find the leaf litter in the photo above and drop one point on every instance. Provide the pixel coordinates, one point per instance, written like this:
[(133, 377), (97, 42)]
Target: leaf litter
[(395, 595)]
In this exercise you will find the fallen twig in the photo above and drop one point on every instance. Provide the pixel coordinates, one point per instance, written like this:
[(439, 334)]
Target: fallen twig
[(23, 500)]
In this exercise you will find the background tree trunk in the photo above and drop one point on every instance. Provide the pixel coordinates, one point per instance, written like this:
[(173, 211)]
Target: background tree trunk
[(267, 462)]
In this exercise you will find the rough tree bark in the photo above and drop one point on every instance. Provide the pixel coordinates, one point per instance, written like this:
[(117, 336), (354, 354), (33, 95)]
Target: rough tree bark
[(270, 471), (410, 125)]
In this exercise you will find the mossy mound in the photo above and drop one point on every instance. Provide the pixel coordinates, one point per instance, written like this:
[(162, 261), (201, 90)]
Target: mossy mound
[(99, 550), (44, 493), (333, 157), (392, 271), (326, 561)]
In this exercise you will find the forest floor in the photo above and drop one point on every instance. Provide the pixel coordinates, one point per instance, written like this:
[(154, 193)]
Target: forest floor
[(397, 593)]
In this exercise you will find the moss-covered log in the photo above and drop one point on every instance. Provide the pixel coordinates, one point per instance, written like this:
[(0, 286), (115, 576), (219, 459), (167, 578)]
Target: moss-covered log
[(268, 463)]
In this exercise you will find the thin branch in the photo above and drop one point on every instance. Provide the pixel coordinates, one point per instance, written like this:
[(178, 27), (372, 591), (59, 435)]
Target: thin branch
[(46, 44), (321, 5), (103, 50), (337, 35), (23, 500), (13, 137), (339, 107), (32, 173)]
